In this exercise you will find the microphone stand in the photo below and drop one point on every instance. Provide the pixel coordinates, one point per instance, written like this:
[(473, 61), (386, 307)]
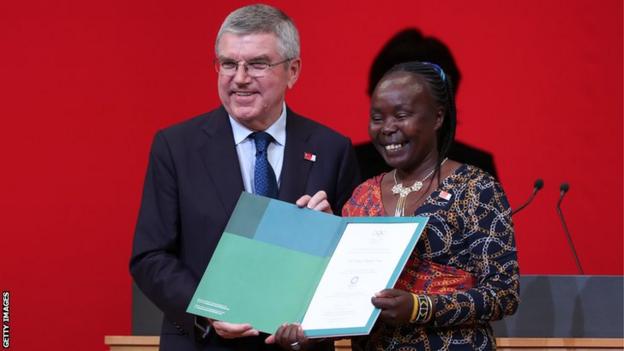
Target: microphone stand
[(564, 189), (536, 187)]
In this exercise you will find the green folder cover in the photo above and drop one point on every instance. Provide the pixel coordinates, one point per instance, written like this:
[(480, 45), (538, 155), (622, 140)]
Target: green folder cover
[(271, 258)]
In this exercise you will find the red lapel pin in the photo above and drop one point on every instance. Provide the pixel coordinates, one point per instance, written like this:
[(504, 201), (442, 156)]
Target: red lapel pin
[(446, 196), (309, 156)]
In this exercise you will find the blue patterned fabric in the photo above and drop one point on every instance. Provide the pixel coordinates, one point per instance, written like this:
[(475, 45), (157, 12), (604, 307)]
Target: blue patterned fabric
[(469, 232), (264, 177)]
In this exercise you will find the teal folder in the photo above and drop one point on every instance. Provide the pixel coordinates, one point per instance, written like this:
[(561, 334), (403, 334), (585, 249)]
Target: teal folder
[(270, 260)]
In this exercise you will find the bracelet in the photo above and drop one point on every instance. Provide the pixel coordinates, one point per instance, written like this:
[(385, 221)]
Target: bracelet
[(430, 314), (431, 305), (414, 308), (422, 309)]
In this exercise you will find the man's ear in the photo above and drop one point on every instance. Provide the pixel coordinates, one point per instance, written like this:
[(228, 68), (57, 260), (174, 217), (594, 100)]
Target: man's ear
[(294, 69)]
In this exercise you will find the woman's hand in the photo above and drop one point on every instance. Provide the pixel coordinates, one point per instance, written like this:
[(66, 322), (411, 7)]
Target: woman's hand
[(396, 306), (289, 337), (317, 202)]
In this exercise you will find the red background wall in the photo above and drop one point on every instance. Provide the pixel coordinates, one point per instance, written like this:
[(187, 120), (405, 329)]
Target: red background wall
[(85, 85)]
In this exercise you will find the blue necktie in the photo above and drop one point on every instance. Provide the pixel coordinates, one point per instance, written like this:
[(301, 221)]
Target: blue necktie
[(264, 177)]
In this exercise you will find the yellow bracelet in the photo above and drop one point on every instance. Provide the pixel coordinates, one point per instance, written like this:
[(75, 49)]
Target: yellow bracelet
[(415, 308), (422, 310)]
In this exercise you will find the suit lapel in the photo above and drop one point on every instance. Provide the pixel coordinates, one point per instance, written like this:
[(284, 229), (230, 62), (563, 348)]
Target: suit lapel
[(221, 160), (295, 169)]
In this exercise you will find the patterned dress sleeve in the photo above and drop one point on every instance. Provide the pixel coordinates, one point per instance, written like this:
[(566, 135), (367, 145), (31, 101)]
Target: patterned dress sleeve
[(488, 237), (365, 201), (349, 208)]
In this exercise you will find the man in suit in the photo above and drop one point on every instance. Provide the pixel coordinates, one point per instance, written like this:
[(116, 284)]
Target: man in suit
[(198, 168)]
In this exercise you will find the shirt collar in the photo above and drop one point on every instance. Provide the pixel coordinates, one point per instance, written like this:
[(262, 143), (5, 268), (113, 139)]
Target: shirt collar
[(277, 130)]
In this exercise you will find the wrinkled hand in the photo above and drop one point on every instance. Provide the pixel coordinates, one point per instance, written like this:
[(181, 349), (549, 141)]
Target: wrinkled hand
[(396, 306), (231, 331), (317, 202), (288, 334)]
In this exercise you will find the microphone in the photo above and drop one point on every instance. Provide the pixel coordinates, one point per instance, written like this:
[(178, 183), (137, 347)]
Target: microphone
[(563, 190), (539, 184)]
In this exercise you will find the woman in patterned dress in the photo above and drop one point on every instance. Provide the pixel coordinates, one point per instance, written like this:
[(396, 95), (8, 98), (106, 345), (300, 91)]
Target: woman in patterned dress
[(464, 270)]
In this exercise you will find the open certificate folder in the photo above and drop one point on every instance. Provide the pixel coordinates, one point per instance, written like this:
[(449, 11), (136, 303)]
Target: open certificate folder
[(278, 263)]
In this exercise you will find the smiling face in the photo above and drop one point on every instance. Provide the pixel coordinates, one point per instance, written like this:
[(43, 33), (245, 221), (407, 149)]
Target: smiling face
[(404, 119), (255, 102)]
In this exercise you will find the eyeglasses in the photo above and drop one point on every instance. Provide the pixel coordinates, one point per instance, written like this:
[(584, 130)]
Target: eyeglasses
[(255, 69)]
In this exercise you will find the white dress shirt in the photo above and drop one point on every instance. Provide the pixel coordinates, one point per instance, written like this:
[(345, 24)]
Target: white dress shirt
[(246, 149)]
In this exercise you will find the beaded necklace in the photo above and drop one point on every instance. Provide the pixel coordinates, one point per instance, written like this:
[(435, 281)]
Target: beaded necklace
[(402, 191)]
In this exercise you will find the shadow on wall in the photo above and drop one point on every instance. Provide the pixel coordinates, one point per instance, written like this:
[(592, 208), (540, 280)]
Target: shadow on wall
[(411, 45)]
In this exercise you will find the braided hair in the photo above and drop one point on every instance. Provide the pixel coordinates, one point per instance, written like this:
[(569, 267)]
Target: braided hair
[(441, 89)]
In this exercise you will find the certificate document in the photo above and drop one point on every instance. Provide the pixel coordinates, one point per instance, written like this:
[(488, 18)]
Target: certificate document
[(365, 259), (276, 263)]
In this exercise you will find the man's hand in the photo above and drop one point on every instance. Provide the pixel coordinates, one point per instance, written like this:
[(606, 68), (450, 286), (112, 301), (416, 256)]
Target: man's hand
[(231, 331), (396, 306), (317, 202)]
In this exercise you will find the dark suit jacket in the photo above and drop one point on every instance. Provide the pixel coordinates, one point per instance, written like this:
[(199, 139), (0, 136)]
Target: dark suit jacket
[(192, 184)]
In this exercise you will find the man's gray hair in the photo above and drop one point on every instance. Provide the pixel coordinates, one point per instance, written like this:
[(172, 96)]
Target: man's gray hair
[(261, 18)]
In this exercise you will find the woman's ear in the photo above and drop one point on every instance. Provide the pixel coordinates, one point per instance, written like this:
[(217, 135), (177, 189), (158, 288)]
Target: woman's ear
[(439, 118)]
